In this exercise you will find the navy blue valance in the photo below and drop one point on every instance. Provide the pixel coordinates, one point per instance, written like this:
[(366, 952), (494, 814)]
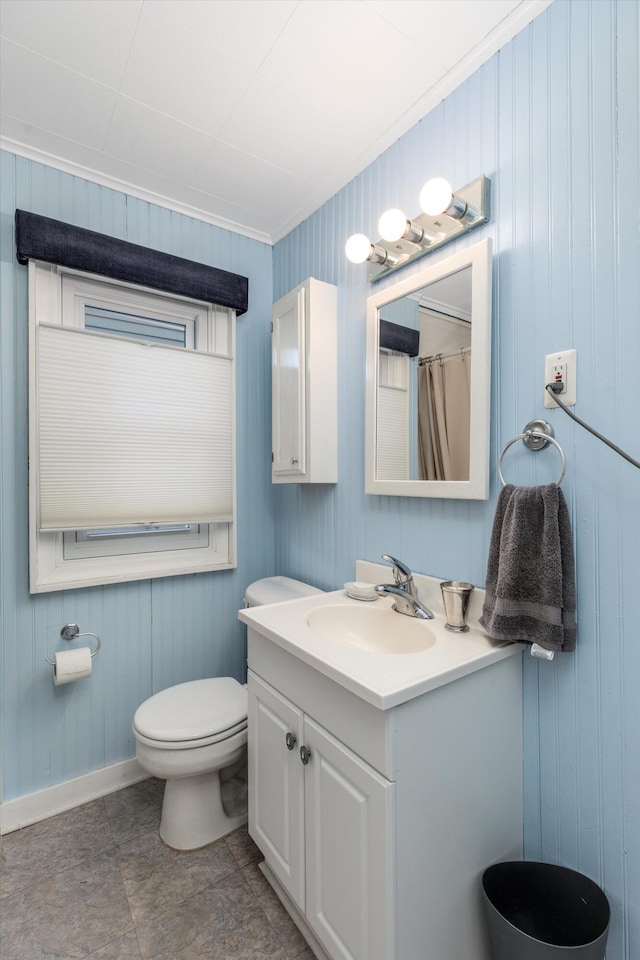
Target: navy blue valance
[(393, 336), (41, 238)]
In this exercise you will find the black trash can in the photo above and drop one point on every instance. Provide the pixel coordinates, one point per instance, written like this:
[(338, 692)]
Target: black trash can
[(539, 911)]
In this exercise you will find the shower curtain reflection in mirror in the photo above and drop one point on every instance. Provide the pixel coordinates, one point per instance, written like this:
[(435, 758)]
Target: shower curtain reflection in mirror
[(444, 406)]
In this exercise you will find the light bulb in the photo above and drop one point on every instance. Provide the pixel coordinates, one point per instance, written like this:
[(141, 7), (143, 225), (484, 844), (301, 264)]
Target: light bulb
[(436, 196), (358, 248), (392, 225)]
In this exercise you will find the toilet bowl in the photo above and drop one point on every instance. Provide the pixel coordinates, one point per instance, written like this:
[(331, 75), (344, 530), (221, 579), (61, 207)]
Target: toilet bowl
[(186, 735), (193, 733)]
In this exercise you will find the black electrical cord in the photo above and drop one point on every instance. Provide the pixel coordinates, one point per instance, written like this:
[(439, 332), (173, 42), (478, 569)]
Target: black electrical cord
[(550, 389)]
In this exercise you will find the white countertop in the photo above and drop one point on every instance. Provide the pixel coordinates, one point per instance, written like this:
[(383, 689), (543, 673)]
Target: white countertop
[(384, 680)]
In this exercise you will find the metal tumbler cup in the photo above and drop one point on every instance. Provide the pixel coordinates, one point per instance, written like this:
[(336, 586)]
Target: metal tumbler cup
[(456, 595)]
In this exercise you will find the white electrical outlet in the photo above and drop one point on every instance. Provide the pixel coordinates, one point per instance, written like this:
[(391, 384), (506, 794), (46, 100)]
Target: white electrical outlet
[(560, 368)]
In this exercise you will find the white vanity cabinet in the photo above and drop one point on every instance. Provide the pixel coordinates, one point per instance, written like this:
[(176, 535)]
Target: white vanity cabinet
[(320, 814), (377, 845), (304, 385)]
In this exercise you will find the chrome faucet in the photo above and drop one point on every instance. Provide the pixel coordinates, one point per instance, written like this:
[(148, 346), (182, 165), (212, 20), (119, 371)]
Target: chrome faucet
[(404, 591)]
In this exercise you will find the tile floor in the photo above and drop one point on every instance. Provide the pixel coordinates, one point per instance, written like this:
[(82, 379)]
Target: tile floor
[(97, 882)]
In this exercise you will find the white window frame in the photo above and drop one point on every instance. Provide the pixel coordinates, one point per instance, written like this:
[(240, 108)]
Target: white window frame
[(62, 561)]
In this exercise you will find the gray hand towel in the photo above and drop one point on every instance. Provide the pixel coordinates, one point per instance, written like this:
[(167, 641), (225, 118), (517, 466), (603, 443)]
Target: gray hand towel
[(530, 589)]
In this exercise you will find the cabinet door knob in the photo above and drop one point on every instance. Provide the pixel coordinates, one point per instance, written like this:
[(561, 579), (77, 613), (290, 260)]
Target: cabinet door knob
[(290, 741), (305, 755), (294, 460)]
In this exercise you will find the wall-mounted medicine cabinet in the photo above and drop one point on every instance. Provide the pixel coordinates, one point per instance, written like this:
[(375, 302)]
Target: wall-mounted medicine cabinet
[(304, 385)]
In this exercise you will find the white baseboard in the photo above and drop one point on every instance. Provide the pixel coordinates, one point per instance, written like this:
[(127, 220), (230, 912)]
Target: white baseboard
[(18, 813)]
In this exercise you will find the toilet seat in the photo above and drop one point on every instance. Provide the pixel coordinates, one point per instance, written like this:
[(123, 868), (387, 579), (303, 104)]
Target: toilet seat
[(191, 744), (192, 714)]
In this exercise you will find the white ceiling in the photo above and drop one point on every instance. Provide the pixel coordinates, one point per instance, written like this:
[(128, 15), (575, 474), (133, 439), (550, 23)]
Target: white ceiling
[(247, 113)]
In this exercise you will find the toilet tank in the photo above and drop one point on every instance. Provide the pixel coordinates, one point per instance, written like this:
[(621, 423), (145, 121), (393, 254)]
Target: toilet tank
[(277, 589)]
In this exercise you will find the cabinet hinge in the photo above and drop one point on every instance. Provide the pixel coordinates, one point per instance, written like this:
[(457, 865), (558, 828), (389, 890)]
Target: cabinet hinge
[(271, 326), (272, 457)]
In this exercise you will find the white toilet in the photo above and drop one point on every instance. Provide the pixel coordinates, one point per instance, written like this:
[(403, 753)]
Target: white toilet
[(193, 732)]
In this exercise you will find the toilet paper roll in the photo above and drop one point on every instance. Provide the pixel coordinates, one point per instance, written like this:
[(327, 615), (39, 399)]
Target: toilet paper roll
[(71, 665)]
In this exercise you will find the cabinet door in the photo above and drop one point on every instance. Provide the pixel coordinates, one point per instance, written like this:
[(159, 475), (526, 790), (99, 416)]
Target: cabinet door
[(288, 357), (349, 848), (276, 781)]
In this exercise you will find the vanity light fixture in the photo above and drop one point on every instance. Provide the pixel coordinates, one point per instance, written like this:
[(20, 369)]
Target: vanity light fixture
[(444, 216), (393, 225), (437, 197), (359, 248)]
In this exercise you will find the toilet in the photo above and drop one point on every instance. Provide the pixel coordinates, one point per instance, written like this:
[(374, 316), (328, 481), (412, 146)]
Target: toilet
[(194, 734)]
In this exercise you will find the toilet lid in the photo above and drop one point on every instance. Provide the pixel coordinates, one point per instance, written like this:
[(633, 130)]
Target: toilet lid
[(192, 711), (277, 589)]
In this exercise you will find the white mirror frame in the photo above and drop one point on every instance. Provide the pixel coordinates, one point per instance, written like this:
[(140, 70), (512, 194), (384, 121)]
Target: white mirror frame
[(478, 256)]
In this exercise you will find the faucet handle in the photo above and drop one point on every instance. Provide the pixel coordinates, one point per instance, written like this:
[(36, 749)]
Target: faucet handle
[(401, 572)]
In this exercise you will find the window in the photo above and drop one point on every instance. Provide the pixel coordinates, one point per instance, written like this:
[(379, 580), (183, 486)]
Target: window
[(394, 402), (132, 432)]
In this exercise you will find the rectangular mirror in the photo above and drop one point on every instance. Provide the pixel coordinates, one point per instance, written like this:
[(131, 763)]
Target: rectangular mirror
[(428, 381)]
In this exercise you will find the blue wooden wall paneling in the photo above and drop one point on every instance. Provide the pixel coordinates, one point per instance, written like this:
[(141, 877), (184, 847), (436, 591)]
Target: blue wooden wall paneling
[(627, 563), (153, 633), (552, 119)]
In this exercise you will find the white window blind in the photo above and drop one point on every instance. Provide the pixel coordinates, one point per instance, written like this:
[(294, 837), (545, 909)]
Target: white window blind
[(109, 410), (393, 433)]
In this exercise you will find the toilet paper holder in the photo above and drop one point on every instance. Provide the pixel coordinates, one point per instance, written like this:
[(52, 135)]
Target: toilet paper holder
[(71, 631)]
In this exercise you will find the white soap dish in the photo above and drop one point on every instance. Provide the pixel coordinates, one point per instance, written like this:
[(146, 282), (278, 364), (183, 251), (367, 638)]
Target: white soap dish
[(359, 590)]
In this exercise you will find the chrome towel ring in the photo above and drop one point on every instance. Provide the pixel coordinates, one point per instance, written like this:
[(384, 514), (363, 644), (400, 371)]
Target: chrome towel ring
[(536, 436)]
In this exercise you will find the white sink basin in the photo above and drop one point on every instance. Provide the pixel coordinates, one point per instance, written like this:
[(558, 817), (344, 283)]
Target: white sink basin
[(382, 656), (371, 629)]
